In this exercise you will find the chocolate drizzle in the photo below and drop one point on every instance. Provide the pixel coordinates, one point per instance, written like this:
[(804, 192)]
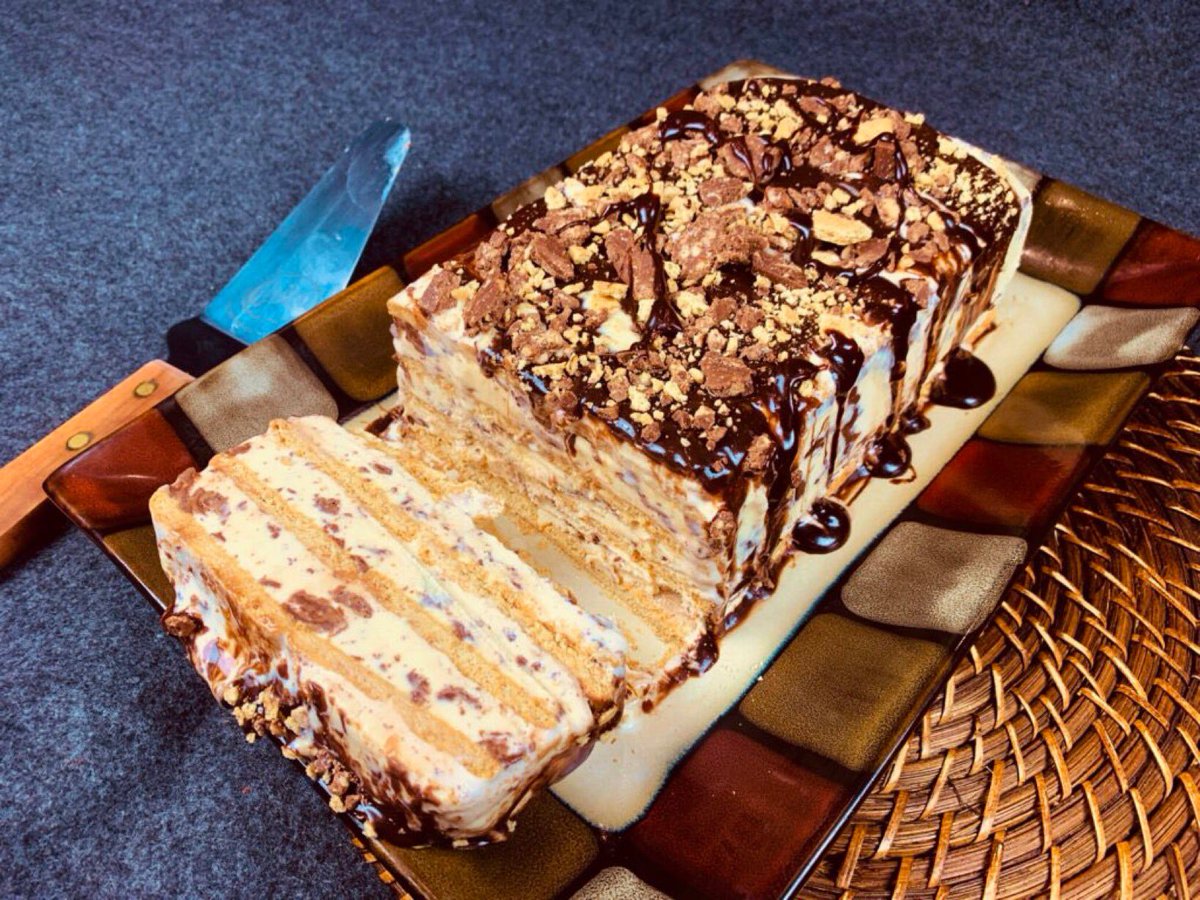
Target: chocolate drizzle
[(966, 382), (913, 422), (887, 159), (698, 661), (897, 307), (646, 210), (782, 406), (688, 122), (845, 360), (822, 167), (802, 222)]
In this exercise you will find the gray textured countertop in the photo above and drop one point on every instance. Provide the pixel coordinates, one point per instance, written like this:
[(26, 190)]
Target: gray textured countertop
[(148, 149)]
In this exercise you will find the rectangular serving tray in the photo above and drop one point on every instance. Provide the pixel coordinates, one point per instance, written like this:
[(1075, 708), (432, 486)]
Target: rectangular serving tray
[(766, 783)]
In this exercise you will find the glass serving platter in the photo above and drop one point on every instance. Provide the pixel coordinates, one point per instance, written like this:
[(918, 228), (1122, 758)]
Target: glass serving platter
[(737, 782)]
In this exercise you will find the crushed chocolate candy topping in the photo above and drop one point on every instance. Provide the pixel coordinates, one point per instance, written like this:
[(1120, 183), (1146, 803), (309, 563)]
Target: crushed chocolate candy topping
[(779, 268), (343, 596), (715, 238), (437, 296), (674, 287), (487, 303), (549, 253), (315, 611), (197, 500), (721, 531), (725, 376), (721, 189), (619, 244), (489, 256), (181, 624), (759, 454)]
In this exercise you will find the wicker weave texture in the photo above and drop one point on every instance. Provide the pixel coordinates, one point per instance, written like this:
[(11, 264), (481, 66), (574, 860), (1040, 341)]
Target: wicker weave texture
[(1063, 757)]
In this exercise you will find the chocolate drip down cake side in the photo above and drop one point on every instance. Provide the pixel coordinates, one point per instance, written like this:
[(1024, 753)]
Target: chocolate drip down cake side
[(674, 367), (675, 363)]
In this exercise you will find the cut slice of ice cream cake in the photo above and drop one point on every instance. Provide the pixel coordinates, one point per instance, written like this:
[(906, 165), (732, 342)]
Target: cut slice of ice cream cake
[(678, 361), (410, 659)]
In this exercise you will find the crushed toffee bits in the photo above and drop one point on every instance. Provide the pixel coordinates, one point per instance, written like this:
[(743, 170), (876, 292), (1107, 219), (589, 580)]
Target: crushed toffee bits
[(694, 264)]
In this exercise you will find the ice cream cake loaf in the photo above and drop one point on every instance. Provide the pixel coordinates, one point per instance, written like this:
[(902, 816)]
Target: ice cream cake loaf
[(678, 361), (416, 665)]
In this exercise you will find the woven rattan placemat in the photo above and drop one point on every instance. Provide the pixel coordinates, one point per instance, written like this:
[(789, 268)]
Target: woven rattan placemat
[(1062, 757)]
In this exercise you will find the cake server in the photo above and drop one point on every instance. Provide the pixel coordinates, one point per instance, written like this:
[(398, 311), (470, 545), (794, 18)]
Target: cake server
[(309, 257)]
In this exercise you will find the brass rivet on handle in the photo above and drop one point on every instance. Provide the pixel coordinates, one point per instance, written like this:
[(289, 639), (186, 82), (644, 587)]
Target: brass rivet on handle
[(79, 440), (146, 388)]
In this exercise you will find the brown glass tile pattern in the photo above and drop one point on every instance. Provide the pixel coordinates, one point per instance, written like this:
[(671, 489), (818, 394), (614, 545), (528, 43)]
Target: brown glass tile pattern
[(550, 848), (350, 337), (1003, 485), (1160, 266), (1074, 237), (240, 397), (733, 819), (108, 486), (136, 549), (842, 687), (1065, 408)]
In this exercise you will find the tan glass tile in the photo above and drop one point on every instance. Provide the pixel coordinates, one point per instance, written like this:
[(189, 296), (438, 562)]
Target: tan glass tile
[(617, 883), (1074, 237), (549, 849), (920, 576), (1108, 337), (842, 687), (240, 397), (1065, 408)]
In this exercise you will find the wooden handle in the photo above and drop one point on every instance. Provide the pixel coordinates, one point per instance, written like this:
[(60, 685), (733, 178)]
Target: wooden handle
[(25, 513)]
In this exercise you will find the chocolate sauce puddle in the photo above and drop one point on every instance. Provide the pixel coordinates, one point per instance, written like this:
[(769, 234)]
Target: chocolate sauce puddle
[(823, 530), (966, 382), (913, 422), (889, 456)]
